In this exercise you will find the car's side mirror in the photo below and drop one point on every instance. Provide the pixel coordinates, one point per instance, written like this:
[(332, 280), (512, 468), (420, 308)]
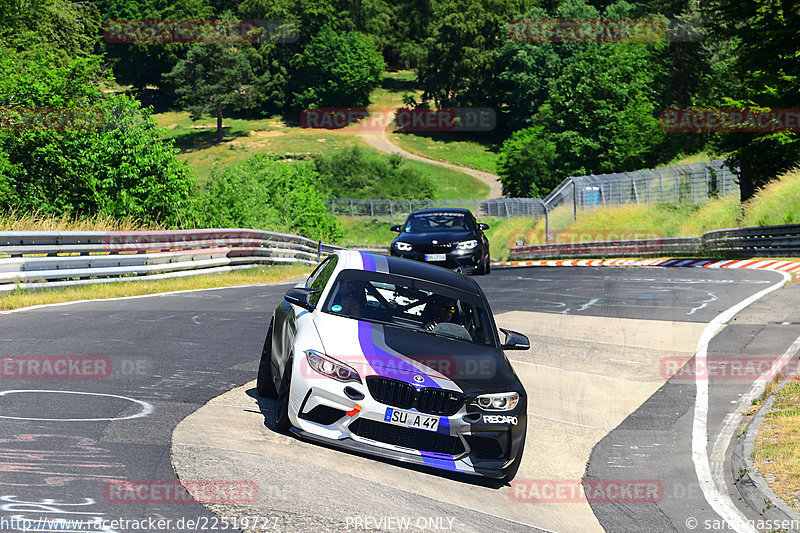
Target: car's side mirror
[(397, 228), (301, 297), (483, 226), (514, 340)]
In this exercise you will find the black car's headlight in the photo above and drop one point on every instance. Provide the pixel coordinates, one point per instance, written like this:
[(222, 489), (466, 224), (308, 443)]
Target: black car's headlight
[(403, 246), (330, 367), (504, 401), (467, 245)]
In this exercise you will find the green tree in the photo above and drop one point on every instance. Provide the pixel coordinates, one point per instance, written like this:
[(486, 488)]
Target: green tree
[(267, 194), (215, 78), (71, 28), (525, 163), (458, 65), (352, 173), (337, 69), (764, 38), (114, 163)]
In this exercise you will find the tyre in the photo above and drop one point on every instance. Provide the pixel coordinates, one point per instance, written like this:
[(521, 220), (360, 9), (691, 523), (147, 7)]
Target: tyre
[(282, 407), (483, 268), (265, 384), (488, 264)]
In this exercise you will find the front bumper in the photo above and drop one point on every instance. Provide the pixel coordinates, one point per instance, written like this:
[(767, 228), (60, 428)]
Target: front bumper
[(467, 260), (466, 442)]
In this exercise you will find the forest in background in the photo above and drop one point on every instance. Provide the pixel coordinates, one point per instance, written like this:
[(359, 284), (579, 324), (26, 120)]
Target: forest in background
[(563, 108)]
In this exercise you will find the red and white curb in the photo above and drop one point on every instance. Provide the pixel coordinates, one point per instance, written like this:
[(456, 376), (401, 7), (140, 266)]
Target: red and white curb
[(765, 264)]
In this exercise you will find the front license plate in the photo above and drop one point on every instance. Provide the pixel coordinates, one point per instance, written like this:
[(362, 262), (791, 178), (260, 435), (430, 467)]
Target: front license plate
[(411, 420), (435, 257)]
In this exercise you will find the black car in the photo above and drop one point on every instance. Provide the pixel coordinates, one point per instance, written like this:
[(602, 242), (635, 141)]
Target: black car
[(451, 238)]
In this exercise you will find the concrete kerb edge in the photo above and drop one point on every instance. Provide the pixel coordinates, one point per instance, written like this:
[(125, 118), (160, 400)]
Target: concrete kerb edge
[(755, 491), (792, 267)]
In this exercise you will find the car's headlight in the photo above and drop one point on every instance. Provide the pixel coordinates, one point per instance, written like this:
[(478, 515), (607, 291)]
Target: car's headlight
[(505, 401), (403, 246), (330, 367), (467, 245)]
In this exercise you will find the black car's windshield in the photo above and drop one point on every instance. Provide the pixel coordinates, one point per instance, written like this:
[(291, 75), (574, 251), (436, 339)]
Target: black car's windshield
[(437, 222), (410, 304)]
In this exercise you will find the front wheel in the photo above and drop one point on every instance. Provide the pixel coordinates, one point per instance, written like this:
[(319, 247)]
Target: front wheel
[(282, 407), (483, 267), (265, 384)]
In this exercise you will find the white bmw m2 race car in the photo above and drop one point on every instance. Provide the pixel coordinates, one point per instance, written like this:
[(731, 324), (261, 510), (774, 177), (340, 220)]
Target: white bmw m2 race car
[(398, 359)]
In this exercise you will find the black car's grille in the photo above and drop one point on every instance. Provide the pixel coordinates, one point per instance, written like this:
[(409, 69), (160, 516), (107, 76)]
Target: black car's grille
[(322, 414), (416, 439), (433, 248), (404, 396), (484, 447)]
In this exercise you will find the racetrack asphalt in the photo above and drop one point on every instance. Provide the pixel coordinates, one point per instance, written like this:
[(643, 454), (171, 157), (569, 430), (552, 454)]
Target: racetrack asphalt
[(177, 352)]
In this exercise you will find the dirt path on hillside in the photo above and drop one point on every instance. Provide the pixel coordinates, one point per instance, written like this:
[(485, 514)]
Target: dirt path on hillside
[(380, 140)]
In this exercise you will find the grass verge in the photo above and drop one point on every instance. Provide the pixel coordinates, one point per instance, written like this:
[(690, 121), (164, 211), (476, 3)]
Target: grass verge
[(776, 453), (450, 148), (253, 276)]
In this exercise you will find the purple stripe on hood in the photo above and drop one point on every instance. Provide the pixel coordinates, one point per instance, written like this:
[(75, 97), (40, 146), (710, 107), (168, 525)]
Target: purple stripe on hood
[(395, 367), (369, 261)]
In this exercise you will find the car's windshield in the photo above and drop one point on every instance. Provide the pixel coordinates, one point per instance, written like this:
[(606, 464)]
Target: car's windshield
[(437, 222), (410, 304)]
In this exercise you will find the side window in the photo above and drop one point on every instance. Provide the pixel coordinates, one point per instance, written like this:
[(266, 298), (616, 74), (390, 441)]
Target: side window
[(319, 278)]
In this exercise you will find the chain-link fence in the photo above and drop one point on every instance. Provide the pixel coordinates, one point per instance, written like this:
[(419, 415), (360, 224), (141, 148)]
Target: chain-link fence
[(680, 184)]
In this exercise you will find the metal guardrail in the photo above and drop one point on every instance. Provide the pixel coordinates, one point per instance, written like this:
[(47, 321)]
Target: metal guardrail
[(765, 241), (762, 241), (55, 258), (632, 248)]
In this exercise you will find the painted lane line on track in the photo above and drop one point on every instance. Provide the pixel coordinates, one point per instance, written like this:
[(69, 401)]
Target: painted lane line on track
[(720, 501), (147, 408), (153, 295), (732, 420)]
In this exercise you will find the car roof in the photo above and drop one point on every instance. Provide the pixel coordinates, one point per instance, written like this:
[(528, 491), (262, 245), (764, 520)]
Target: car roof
[(441, 210), (411, 269)]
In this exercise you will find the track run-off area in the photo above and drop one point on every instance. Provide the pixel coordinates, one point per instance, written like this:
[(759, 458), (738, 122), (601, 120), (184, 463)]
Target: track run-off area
[(620, 436)]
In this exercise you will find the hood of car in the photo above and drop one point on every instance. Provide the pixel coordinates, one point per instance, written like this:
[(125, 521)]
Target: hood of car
[(439, 236), (421, 359)]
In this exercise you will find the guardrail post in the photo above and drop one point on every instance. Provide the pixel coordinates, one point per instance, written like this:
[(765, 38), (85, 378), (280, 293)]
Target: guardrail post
[(574, 199), (319, 251), (546, 224), (371, 211)]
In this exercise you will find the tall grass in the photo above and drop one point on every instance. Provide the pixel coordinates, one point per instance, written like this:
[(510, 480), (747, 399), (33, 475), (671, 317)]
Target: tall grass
[(16, 221), (775, 204)]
